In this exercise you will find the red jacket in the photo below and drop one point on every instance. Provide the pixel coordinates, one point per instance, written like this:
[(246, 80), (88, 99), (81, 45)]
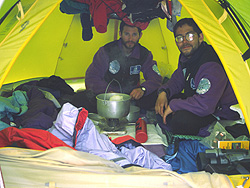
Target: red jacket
[(30, 138)]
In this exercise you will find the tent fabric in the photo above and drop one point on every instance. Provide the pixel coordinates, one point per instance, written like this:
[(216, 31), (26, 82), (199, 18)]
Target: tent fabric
[(6, 7), (240, 7), (46, 37), (65, 167)]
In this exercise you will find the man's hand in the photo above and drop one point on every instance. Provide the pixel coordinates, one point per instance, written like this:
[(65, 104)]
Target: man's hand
[(137, 93), (161, 102), (166, 113)]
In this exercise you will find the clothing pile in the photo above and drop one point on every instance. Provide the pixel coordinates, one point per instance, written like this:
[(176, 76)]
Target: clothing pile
[(40, 115), (35, 104), (72, 128)]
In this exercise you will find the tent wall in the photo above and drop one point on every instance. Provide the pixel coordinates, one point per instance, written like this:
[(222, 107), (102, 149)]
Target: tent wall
[(15, 46), (6, 6), (53, 39), (240, 7), (77, 63)]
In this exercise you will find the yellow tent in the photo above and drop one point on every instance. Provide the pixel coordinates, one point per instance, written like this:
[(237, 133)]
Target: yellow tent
[(37, 40)]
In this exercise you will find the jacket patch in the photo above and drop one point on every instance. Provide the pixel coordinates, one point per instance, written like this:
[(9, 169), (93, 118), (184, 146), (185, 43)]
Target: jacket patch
[(184, 71), (203, 86), (114, 67), (135, 69), (155, 68), (192, 84)]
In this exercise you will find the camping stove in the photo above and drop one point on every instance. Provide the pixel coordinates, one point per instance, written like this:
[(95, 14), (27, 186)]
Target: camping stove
[(109, 126), (113, 125), (114, 107)]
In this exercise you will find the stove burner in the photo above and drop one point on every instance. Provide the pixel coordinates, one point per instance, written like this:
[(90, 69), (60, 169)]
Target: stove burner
[(113, 122), (111, 125)]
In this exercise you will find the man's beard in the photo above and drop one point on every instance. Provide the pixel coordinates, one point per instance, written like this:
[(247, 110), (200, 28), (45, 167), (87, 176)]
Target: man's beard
[(193, 50), (127, 46)]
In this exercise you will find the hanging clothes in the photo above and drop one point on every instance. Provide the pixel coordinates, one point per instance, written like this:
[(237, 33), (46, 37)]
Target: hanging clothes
[(146, 10), (100, 11)]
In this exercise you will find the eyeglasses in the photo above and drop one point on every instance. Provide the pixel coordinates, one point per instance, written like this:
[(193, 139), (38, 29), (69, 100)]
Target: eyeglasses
[(189, 37)]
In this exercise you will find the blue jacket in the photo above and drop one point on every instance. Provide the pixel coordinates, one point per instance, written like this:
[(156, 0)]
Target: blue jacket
[(15, 105), (74, 128)]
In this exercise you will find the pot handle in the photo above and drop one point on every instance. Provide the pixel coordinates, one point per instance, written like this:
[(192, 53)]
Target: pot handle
[(109, 85)]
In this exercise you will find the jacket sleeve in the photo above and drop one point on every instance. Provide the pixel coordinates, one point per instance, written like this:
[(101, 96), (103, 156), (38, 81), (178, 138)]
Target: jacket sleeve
[(94, 78), (151, 75), (205, 103), (176, 83)]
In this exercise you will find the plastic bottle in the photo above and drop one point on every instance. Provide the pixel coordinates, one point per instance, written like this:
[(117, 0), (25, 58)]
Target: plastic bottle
[(141, 131)]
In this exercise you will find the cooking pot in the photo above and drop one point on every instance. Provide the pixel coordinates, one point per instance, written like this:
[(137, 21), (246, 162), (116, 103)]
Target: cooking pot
[(113, 105), (134, 114)]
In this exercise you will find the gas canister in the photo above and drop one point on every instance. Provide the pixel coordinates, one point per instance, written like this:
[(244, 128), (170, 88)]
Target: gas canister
[(141, 131)]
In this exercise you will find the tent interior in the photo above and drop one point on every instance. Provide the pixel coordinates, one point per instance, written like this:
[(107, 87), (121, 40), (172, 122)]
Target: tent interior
[(37, 41)]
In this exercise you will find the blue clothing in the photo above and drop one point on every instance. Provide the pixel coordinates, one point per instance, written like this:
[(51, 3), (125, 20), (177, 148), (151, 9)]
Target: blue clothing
[(184, 160), (85, 137), (15, 105), (73, 7)]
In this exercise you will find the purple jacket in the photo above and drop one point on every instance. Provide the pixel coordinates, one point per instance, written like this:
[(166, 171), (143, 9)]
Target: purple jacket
[(217, 100), (94, 79)]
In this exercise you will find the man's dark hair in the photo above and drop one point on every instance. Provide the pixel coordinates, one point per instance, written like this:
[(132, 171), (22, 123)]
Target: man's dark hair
[(123, 24), (188, 21)]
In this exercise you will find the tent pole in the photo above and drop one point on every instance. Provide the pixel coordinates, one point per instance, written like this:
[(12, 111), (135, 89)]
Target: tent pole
[(6, 14), (235, 19)]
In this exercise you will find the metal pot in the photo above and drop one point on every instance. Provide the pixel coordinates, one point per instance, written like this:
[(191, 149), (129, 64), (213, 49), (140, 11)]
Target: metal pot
[(113, 108), (134, 114)]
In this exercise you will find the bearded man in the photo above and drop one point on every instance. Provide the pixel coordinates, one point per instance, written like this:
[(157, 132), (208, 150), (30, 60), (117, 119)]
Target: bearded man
[(198, 92), (117, 65)]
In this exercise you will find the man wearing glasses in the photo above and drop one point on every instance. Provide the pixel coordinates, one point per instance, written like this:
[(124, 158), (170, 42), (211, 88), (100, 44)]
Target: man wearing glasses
[(199, 91)]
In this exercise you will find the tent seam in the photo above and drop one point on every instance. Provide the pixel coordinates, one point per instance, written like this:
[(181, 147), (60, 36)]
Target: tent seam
[(12, 62)]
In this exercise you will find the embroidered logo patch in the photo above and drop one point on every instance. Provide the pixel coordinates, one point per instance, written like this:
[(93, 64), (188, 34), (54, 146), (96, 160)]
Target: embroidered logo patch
[(192, 85), (114, 67), (184, 71), (203, 86), (155, 68), (135, 69)]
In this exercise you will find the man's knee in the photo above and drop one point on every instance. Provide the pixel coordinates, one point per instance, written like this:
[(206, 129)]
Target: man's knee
[(182, 123), (148, 102)]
